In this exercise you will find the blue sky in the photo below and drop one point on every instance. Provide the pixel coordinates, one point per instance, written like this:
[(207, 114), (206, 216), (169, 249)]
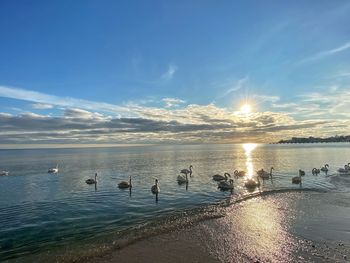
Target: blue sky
[(173, 62)]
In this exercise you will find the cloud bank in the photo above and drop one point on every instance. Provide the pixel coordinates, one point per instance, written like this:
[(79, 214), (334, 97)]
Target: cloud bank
[(177, 122)]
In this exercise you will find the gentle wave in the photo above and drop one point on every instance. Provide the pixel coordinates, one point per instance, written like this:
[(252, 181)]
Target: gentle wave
[(101, 243)]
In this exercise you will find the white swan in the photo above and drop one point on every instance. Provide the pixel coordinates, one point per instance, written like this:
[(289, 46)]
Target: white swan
[(187, 171), (315, 171), (297, 179), (264, 174), (224, 185), (325, 168), (125, 184), (239, 173), (182, 179), (4, 173), (346, 169), (219, 177), (155, 188), (301, 172), (251, 183), (53, 170), (91, 181)]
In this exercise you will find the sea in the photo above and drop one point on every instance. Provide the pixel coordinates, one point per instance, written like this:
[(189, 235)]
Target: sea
[(47, 217)]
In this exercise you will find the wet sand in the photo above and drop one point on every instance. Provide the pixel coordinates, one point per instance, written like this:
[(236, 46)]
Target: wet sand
[(284, 227)]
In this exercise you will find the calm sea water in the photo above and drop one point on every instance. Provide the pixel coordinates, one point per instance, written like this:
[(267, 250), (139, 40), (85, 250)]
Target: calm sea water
[(41, 212)]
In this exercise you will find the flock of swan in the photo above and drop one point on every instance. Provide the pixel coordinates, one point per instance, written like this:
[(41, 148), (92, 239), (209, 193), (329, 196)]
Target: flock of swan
[(225, 182)]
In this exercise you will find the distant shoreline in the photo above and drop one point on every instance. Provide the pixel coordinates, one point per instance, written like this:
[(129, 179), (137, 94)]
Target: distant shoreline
[(303, 142), (333, 139)]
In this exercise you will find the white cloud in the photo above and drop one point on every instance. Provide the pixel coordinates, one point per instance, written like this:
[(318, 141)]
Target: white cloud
[(38, 97), (41, 106), (168, 75), (83, 114), (172, 102), (230, 86), (284, 105), (236, 86), (266, 98), (326, 53)]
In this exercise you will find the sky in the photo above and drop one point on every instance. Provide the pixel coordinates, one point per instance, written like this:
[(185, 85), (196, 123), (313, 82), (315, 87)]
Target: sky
[(149, 72)]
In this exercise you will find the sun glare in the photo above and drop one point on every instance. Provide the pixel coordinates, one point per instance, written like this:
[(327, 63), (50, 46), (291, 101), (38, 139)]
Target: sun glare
[(248, 149), (246, 108)]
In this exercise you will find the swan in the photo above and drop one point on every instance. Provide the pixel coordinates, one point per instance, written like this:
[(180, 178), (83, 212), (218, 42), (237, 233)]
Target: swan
[(239, 173), (219, 177), (346, 169), (187, 171), (325, 168), (182, 179), (91, 181), (264, 174), (315, 171), (301, 172), (53, 170), (125, 184), (224, 185), (297, 179), (155, 188), (3, 173), (252, 183)]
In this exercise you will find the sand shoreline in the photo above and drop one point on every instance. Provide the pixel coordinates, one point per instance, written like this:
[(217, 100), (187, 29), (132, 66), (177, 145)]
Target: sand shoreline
[(284, 238)]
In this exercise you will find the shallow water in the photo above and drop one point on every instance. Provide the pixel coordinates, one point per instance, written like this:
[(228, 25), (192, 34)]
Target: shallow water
[(44, 212)]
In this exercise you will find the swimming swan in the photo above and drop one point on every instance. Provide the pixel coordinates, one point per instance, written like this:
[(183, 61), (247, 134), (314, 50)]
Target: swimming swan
[(187, 171), (125, 184), (251, 183), (297, 179), (155, 188), (219, 177), (224, 185), (325, 168), (91, 181), (301, 172), (239, 173), (315, 171), (264, 174), (346, 169), (53, 170), (182, 179)]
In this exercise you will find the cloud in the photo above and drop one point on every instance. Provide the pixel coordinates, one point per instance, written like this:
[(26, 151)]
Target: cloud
[(236, 86), (169, 74), (285, 106), (192, 123), (326, 53), (230, 86), (38, 97), (266, 98), (83, 114), (41, 106), (172, 102)]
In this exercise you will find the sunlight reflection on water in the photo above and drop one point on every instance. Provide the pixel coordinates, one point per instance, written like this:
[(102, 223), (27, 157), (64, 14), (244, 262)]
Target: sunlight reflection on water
[(256, 230), (248, 149)]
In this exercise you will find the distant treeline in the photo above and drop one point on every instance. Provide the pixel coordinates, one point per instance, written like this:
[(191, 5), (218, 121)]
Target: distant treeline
[(316, 140)]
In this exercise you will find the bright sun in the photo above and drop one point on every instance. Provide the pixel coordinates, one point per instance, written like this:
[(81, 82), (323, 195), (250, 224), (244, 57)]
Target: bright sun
[(246, 108)]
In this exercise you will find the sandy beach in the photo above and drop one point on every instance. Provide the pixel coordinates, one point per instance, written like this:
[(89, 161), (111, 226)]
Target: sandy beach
[(284, 227)]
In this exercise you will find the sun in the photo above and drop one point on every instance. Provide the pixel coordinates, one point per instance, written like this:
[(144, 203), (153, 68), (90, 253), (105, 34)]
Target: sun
[(246, 108)]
